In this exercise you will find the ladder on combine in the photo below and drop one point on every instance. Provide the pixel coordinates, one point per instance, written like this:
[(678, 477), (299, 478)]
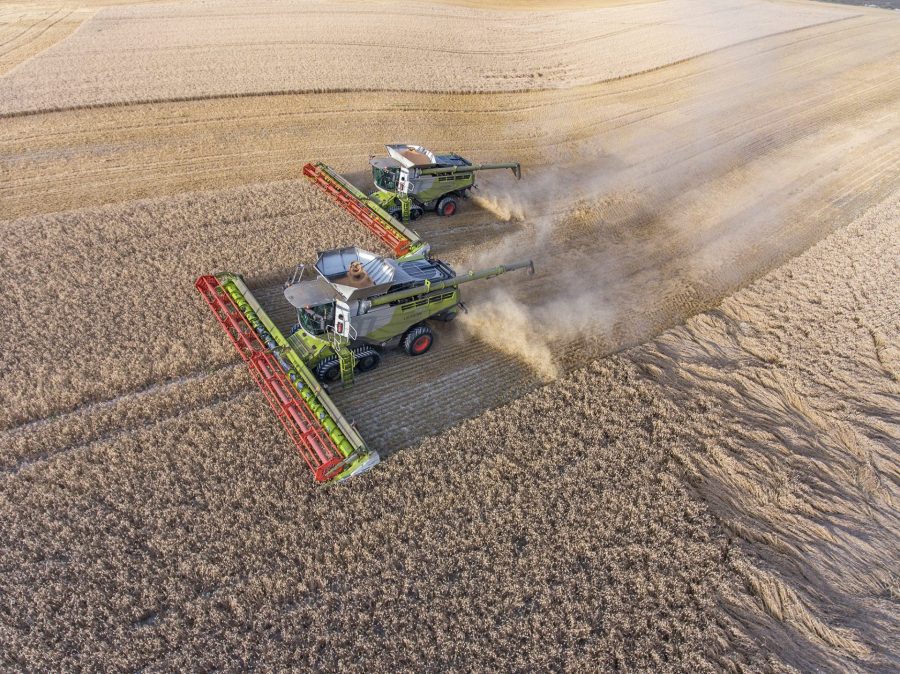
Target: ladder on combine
[(348, 362), (401, 240), (346, 357), (405, 208)]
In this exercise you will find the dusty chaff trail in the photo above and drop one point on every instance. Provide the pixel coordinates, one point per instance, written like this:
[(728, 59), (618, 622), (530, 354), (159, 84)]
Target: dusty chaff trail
[(357, 304)]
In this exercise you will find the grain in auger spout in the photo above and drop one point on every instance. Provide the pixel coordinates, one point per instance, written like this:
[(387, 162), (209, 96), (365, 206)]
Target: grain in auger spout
[(352, 307)]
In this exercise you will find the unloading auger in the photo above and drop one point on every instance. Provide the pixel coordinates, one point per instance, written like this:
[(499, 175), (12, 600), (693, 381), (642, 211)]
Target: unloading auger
[(356, 305)]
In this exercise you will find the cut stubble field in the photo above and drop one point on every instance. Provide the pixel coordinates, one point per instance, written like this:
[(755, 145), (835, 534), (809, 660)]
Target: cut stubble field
[(696, 502)]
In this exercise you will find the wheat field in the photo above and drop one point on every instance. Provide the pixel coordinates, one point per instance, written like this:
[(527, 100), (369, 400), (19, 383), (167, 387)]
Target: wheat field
[(672, 449)]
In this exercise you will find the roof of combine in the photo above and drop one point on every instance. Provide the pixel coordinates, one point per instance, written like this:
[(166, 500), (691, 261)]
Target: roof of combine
[(384, 162), (372, 275), (452, 159), (416, 155)]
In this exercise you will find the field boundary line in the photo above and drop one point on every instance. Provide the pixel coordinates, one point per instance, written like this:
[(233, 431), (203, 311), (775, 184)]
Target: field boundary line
[(33, 38), (26, 30)]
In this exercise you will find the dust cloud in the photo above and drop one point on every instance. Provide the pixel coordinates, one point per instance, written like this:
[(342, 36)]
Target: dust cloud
[(624, 228), (500, 308)]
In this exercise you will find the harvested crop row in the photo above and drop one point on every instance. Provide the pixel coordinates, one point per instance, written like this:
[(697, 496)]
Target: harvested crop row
[(188, 51), (606, 282)]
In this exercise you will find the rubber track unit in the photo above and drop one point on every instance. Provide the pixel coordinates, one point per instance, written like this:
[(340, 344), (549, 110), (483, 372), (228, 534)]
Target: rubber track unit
[(359, 353), (312, 441), (373, 221)]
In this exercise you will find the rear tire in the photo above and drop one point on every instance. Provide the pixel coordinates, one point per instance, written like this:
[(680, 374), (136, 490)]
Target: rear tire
[(418, 340), (447, 207)]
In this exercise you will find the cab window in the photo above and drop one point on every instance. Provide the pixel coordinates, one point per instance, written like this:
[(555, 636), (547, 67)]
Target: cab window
[(315, 319), (386, 179)]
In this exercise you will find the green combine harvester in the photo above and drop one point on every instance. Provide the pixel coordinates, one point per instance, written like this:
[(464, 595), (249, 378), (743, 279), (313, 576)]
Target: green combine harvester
[(412, 180), (355, 305)]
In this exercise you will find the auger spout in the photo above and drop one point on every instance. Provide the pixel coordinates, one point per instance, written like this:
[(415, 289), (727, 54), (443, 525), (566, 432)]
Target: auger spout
[(452, 282), (515, 167)]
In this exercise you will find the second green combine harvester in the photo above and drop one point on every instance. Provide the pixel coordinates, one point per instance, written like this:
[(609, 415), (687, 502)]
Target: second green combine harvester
[(356, 304), (413, 179)]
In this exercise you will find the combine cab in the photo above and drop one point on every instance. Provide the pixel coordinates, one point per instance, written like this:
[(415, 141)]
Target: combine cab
[(335, 322)]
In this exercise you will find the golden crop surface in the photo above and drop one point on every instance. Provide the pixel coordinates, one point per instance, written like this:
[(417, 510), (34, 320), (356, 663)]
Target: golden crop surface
[(674, 448)]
